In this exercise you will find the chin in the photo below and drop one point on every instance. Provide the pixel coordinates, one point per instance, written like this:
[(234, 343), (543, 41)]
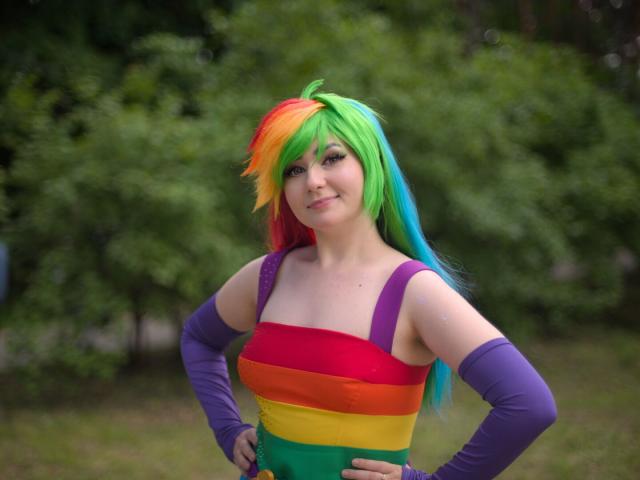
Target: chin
[(328, 222)]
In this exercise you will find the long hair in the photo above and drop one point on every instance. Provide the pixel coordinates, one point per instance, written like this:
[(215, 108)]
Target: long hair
[(286, 133)]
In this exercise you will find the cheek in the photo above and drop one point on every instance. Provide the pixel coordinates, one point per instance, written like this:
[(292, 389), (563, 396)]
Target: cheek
[(291, 194), (287, 191), (356, 178)]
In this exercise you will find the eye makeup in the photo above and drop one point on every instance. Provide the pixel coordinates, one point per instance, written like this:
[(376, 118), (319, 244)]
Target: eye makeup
[(333, 153)]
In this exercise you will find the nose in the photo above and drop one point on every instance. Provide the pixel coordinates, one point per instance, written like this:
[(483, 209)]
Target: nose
[(315, 177)]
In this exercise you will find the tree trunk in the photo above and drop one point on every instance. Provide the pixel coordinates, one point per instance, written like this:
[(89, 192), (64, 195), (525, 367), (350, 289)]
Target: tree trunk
[(135, 350), (472, 10), (552, 21), (527, 19)]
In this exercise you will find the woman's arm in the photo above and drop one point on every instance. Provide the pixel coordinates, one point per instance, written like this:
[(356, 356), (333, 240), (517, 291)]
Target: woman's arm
[(523, 406), (204, 338)]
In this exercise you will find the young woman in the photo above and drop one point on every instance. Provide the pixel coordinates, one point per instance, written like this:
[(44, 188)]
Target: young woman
[(354, 318)]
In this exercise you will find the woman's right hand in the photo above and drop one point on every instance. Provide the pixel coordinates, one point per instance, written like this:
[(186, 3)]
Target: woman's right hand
[(244, 453)]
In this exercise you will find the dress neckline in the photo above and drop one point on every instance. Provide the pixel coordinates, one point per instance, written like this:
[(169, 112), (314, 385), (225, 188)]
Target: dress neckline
[(350, 336), (286, 251)]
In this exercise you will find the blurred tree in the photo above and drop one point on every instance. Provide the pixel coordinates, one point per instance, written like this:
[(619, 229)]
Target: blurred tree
[(123, 218), (504, 179), (606, 31), (128, 203), (122, 135)]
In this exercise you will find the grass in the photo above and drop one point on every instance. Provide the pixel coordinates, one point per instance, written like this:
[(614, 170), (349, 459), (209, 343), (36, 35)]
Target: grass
[(148, 425)]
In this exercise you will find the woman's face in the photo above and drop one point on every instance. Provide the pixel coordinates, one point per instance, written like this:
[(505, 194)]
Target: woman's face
[(327, 190)]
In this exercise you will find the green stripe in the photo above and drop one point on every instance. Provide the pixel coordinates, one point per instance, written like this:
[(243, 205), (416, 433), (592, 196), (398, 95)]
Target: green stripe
[(300, 461)]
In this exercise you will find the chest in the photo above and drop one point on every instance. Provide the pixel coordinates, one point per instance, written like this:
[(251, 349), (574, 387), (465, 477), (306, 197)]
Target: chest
[(342, 302)]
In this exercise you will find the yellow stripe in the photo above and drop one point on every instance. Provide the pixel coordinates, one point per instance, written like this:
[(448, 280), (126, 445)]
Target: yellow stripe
[(323, 427)]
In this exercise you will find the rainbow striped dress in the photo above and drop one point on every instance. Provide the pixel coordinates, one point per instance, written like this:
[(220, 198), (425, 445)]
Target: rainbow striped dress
[(326, 397)]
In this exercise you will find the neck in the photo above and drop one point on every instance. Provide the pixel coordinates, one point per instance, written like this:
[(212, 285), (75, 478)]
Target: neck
[(356, 244)]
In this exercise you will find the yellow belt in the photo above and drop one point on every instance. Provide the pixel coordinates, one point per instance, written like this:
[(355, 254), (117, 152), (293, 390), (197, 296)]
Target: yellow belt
[(264, 475)]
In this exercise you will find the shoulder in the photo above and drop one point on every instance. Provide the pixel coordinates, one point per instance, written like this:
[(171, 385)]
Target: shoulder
[(247, 277), (237, 299), (446, 323), (427, 291), (427, 279)]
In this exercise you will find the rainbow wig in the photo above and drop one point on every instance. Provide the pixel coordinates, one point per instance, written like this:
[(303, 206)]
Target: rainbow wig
[(288, 131)]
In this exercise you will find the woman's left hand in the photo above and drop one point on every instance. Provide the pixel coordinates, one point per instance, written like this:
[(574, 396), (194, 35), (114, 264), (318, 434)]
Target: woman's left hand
[(373, 470)]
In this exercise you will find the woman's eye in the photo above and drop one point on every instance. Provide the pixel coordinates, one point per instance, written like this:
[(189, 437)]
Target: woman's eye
[(293, 171), (333, 158)]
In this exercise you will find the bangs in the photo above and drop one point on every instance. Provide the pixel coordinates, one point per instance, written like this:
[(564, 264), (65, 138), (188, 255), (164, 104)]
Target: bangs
[(314, 129)]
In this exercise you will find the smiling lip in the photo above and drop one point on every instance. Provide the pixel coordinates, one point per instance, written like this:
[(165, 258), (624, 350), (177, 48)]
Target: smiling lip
[(321, 202)]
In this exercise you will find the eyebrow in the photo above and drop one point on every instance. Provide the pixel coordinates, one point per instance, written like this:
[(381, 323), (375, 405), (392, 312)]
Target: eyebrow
[(329, 145)]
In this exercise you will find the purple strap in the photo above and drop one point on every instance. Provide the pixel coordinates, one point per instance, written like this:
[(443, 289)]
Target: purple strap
[(385, 315), (268, 272), (523, 407), (204, 337)]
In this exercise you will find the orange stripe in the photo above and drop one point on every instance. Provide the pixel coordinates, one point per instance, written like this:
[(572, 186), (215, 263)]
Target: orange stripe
[(328, 392)]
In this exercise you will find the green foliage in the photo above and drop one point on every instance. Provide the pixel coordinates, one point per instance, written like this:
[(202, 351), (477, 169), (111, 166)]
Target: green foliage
[(122, 170), (499, 147), (123, 206)]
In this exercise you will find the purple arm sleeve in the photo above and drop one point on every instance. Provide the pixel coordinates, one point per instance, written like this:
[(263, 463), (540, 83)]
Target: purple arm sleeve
[(523, 407), (204, 337)]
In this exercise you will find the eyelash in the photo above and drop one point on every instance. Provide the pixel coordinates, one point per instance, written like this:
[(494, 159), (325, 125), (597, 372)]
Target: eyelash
[(331, 159)]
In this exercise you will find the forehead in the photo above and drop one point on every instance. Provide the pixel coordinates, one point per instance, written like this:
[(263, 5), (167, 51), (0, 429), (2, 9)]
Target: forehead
[(314, 151)]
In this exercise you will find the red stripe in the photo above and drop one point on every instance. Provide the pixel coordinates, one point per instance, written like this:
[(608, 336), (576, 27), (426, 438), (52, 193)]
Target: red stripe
[(329, 352)]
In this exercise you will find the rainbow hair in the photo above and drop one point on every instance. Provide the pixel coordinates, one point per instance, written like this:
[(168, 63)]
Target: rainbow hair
[(287, 132)]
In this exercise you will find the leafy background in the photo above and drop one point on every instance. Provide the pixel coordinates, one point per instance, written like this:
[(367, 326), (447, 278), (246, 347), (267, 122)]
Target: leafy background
[(123, 128)]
